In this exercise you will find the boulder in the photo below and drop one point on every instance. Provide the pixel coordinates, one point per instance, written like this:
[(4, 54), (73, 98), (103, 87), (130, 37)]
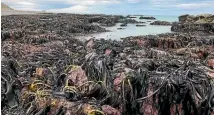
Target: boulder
[(123, 24), (186, 18), (165, 23), (140, 25), (147, 18)]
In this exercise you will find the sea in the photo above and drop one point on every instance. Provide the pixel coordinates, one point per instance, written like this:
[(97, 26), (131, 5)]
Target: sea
[(132, 30)]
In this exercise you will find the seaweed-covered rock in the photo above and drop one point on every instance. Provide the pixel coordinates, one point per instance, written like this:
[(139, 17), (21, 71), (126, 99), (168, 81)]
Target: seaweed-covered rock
[(165, 23), (199, 23), (204, 27)]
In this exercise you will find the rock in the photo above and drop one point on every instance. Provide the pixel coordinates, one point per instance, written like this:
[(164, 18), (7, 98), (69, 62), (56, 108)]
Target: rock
[(141, 22), (203, 27), (164, 23), (77, 75), (211, 63), (108, 110), (188, 23), (140, 25), (201, 21), (147, 18), (120, 28), (127, 20), (186, 18), (131, 16), (203, 18), (124, 24)]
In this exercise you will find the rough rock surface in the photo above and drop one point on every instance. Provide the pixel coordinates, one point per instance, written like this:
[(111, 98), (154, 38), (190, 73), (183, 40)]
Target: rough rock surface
[(199, 23), (164, 23), (147, 18), (189, 27)]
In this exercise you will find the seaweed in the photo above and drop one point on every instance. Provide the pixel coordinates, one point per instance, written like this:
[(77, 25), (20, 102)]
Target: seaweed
[(46, 70)]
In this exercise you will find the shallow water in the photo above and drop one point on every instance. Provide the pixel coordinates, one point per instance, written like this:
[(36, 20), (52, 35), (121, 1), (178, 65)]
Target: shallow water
[(132, 30)]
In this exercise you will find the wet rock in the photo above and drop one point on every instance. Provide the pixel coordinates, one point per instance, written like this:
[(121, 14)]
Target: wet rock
[(199, 23), (108, 110), (147, 18), (127, 20), (164, 23), (206, 27), (120, 28), (124, 24), (186, 18), (140, 25)]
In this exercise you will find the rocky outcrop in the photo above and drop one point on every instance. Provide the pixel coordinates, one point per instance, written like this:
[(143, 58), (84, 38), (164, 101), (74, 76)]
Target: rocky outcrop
[(186, 18), (129, 16), (120, 28), (147, 18), (203, 18), (205, 27), (30, 28), (164, 23), (104, 20), (140, 25), (123, 24), (128, 20), (188, 23)]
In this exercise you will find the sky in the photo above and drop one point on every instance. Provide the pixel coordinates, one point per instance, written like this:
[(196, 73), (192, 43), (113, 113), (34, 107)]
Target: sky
[(123, 7)]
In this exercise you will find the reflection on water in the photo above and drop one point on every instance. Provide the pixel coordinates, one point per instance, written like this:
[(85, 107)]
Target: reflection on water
[(132, 30)]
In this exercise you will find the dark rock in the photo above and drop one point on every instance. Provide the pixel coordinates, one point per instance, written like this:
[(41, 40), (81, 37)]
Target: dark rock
[(131, 16), (140, 25), (147, 18), (200, 23), (141, 22), (164, 23), (120, 28), (127, 20), (206, 27), (203, 18), (124, 24), (186, 18)]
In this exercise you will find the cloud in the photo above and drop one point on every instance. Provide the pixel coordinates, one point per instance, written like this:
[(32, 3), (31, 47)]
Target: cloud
[(70, 6), (72, 9), (158, 2), (87, 2), (204, 4), (85, 6), (134, 1), (115, 6), (23, 5)]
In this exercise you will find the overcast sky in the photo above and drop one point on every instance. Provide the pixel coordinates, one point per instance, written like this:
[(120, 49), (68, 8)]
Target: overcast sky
[(146, 7)]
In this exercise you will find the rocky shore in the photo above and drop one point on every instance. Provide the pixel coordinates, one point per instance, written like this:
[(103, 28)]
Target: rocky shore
[(35, 28), (200, 23), (46, 70)]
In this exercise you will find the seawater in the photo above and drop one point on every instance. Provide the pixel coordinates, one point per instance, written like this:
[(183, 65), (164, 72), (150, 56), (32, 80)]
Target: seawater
[(132, 30)]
